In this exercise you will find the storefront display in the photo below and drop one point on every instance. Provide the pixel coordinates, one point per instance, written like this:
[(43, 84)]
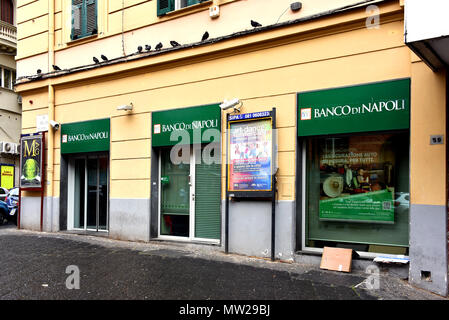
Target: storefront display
[(187, 142), (356, 179), (356, 165)]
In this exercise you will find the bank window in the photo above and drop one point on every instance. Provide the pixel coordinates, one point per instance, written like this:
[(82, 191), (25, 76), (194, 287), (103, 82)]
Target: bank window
[(357, 192), (165, 6), (84, 18)]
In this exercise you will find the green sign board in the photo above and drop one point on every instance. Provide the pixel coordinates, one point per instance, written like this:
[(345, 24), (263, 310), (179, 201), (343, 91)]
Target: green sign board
[(186, 126), (371, 107), (375, 206), (86, 136)]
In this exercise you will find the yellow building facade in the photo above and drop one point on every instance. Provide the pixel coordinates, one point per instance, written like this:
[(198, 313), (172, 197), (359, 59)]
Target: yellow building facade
[(341, 45)]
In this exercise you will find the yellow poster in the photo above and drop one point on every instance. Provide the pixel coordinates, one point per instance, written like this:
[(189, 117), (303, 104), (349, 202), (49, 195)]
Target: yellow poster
[(7, 177)]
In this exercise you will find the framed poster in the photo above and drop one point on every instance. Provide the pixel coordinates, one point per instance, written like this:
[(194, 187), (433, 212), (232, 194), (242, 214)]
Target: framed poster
[(31, 149), (251, 154)]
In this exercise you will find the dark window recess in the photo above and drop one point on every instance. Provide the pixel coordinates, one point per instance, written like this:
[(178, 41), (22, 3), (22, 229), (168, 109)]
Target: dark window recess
[(7, 11), (84, 18), (164, 6)]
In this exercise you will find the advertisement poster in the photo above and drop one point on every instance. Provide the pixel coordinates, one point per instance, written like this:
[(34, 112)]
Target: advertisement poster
[(250, 148), (31, 162), (356, 179), (7, 176)]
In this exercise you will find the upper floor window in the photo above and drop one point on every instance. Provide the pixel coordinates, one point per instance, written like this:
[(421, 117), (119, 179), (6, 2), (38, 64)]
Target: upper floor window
[(164, 6), (7, 11), (7, 78), (84, 18)]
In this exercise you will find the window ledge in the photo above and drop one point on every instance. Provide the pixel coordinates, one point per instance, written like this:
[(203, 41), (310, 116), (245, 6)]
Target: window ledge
[(189, 9), (83, 40)]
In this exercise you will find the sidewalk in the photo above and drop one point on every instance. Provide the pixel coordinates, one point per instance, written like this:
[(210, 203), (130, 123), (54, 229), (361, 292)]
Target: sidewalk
[(34, 264)]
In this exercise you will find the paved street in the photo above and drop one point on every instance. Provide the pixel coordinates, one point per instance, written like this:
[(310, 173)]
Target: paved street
[(34, 266)]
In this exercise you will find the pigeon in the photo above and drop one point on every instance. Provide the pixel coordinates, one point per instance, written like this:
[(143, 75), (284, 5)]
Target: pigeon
[(104, 57), (174, 44), (56, 68), (96, 60), (147, 47), (255, 24), (205, 36), (159, 46), (139, 48)]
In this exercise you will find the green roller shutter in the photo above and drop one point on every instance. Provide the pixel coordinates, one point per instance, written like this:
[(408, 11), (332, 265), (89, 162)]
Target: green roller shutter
[(164, 6), (207, 201)]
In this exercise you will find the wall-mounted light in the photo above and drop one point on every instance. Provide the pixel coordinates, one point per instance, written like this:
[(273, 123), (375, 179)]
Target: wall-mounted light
[(228, 104), (127, 107)]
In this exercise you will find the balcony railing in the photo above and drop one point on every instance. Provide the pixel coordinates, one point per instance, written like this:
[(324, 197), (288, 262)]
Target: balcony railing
[(8, 32)]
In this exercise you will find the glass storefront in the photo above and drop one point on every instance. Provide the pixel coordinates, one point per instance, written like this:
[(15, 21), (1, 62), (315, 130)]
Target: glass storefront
[(358, 191)]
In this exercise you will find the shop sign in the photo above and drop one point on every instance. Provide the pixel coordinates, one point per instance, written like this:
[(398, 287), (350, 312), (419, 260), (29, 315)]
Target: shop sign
[(86, 136), (7, 176), (186, 126), (250, 152), (363, 108), (31, 161)]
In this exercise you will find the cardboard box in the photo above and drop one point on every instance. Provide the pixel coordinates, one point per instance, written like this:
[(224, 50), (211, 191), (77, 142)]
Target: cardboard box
[(336, 259)]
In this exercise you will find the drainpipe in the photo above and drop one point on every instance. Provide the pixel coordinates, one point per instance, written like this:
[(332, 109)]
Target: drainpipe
[(51, 109)]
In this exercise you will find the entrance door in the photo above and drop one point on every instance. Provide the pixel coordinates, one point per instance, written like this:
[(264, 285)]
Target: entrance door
[(176, 196), (88, 193), (190, 196)]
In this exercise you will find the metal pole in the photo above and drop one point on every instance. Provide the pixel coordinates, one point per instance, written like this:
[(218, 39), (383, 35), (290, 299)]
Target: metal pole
[(43, 180), (226, 192), (273, 191)]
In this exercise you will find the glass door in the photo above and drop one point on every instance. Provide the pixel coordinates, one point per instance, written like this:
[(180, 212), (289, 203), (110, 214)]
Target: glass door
[(175, 196), (190, 195), (88, 193)]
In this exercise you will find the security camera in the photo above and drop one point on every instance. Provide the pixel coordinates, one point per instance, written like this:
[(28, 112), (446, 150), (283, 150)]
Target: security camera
[(228, 104), (55, 125)]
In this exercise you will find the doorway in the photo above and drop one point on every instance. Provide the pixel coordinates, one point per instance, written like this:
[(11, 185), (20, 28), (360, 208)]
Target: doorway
[(88, 195), (189, 202)]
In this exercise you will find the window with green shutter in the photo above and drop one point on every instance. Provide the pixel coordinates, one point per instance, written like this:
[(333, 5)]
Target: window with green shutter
[(164, 6), (84, 18)]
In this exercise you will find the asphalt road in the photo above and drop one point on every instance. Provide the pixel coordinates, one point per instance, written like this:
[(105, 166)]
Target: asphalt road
[(33, 267)]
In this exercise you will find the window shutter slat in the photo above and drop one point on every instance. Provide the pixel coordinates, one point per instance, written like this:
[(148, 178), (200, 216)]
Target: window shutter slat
[(91, 18)]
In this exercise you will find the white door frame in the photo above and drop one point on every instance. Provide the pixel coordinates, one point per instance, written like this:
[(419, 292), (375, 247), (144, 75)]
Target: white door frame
[(71, 190), (192, 195)]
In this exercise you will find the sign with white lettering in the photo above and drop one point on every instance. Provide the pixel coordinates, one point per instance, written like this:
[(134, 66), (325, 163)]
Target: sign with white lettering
[(186, 126), (370, 107), (86, 136)]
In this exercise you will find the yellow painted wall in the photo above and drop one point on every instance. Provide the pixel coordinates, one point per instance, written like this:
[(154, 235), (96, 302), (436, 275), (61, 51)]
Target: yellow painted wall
[(428, 117), (263, 74), (141, 25), (262, 79)]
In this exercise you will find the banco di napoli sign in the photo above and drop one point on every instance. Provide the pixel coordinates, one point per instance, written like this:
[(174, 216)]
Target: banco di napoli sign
[(362, 108)]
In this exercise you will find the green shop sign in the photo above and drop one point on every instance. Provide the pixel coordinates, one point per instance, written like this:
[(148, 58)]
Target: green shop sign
[(363, 108), (86, 136), (186, 126), (375, 206)]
